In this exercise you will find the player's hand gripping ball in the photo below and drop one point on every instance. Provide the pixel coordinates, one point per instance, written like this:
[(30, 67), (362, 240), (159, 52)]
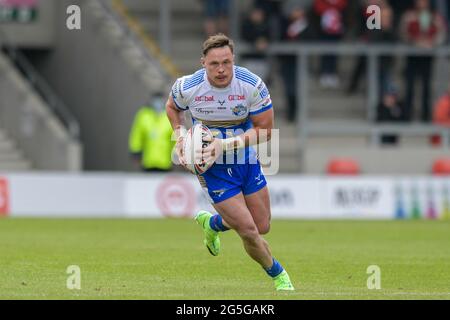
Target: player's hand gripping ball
[(197, 138)]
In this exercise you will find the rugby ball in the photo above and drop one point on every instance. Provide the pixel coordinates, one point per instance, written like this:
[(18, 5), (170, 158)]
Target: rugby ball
[(194, 141)]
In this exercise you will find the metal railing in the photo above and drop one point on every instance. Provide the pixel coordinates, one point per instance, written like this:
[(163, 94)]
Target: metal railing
[(303, 53), (130, 28), (41, 86)]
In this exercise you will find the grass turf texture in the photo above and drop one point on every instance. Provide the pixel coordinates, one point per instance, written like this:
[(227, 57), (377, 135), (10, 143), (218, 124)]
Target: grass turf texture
[(166, 259)]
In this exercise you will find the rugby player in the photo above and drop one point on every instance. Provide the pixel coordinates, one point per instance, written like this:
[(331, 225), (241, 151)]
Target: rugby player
[(228, 98)]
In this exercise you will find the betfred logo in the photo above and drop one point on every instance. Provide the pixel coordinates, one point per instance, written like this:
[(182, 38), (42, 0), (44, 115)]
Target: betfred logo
[(4, 197), (236, 98), (204, 99)]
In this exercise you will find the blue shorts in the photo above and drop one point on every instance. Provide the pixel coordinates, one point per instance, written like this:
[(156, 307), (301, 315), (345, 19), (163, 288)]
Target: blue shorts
[(222, 182)]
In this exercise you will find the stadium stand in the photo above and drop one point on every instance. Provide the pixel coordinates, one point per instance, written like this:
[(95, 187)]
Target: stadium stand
[(333, 122), (11, 158), (112, 73), (330, 123), (186, 31), (31, 136)]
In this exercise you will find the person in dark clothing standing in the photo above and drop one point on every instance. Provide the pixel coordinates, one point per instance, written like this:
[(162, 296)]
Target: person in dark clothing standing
[(423, 28), (273, 14), (256, 31), (399, 7), (385, 35), (390, 110), (295, 28)]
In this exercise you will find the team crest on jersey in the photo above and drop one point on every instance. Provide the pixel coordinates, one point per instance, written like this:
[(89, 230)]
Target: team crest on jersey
[(239, 110)]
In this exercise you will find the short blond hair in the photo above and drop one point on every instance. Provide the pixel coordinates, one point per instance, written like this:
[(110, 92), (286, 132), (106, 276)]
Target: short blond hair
[(217, 41)]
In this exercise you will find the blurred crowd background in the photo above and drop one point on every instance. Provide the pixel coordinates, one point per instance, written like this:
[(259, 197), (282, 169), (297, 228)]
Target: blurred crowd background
[(342, 90)]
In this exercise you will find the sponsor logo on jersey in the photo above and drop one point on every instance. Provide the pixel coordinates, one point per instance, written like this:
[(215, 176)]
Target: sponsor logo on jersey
[(236, 97), (204, 111), (266, 102), (204, 99), (221, 102), (239, 110)]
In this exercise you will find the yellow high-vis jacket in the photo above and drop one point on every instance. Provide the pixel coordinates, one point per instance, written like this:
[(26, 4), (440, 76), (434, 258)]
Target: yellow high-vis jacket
[(150, 138)]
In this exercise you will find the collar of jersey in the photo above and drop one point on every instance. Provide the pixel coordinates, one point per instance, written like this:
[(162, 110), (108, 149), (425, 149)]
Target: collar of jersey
[(218, 89)]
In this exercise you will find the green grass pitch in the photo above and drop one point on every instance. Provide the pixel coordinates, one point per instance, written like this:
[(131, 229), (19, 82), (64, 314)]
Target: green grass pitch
[(166, 259)]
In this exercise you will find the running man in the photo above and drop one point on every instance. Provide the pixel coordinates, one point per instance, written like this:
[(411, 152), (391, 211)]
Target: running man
[(227, 98)]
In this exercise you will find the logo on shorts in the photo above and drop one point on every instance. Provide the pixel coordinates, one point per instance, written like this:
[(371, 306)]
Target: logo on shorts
[(219, 193), (259, 179), (239, 110)]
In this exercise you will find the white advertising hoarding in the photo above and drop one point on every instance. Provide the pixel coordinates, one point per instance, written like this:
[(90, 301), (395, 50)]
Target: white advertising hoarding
[(369, 198), (65, 195), (180, 195)]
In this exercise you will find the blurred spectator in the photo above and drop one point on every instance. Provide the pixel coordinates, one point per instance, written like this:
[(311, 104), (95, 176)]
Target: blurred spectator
[(391, 110), (331, 29), (443, 7), (441, 116), (273, 13), (150, 137), (399, 7), (441, 113), (423, 28), (217, 16), (295, 27), (255, 30), (386, 35)]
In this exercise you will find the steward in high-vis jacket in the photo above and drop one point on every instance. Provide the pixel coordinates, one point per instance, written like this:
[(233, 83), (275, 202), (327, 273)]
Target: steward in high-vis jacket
[(150, 137)]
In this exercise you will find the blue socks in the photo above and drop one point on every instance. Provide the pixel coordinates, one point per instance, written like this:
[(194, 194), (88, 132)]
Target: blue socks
[(216, 223), (275, 270)]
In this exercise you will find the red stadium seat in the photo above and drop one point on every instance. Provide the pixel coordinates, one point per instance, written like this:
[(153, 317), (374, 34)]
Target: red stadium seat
[(343, 166), (441, 167), (436, 140)]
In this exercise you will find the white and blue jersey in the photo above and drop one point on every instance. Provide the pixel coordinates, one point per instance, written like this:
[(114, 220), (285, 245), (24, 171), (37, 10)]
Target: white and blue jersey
[(226, 112)]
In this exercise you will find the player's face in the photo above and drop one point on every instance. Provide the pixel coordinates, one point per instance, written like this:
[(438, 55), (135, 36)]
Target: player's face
[(219, 64)]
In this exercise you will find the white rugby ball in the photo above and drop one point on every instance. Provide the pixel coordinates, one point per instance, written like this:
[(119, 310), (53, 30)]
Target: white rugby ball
[(193, 141)]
